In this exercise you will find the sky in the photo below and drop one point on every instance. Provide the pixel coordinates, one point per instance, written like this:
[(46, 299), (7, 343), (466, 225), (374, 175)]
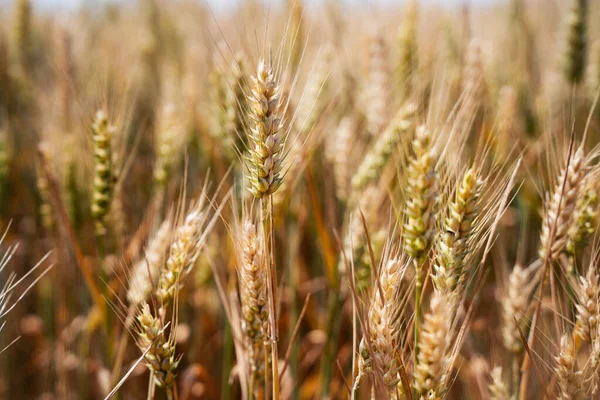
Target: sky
[(220, 5)]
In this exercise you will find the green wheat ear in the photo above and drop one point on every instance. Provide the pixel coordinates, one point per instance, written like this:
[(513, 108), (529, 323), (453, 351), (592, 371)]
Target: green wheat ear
[(575, 55), (408, 53), (378, 157), (420, 196), (104, 177)]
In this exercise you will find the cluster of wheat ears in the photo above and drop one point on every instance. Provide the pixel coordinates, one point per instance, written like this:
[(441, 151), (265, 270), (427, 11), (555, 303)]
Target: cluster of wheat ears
[(273, 200)]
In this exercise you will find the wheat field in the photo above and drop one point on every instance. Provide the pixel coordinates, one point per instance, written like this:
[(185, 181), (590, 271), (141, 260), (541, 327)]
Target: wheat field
[(290, 199)]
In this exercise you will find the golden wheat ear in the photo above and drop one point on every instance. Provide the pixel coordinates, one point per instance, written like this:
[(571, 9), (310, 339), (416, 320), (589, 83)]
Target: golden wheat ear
[(380, 346), (452, 242), (433, 346), (587, 313), (560, 206), (158, 347), (169, 139), (378, 88), (144, 274), (515, 305), (266, 148), (498, 389), (568, 377), (253, 275)]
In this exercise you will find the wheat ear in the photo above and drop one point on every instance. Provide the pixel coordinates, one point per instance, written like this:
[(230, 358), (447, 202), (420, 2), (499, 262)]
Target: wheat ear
[(169, 140), (588, 312), (145, 272), (182, 254), (452, 240), (266, 142), (104, 175), (379, 350), (433, 344), (559, 208), (584, 218), (378, 88), (340, 155), (253, 274), (408, 53), (574, 57), (568, 379), (515, 304), (377, 158), (159, 349), (420, 196), (498, 388)]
